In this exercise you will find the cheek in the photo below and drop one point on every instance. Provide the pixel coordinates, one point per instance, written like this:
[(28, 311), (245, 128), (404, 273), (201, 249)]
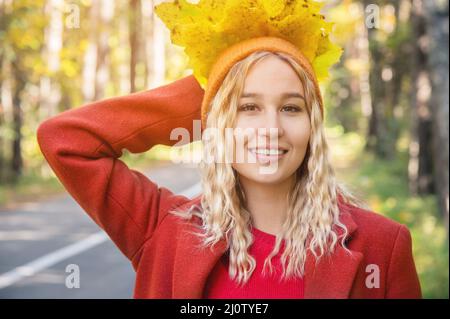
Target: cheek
[(298, 134), (245, 122)]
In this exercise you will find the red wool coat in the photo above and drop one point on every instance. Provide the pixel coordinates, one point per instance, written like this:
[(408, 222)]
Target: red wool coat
[(83, 147)]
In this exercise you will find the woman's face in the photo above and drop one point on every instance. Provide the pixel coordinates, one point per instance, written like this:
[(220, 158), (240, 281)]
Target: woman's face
[(272, 113)]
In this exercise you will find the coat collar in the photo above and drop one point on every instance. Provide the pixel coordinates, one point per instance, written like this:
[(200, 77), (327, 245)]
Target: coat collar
[(331, 277)]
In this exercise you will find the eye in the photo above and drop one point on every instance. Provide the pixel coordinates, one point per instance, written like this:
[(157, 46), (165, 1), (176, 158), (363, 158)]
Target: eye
[(248, 107), (292, 108)]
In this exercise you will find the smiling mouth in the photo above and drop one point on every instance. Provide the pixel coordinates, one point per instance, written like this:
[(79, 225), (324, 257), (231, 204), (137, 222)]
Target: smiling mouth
[(268, 154)]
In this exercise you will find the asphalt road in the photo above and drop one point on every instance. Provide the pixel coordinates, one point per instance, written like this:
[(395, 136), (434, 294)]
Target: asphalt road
[(39, 240)]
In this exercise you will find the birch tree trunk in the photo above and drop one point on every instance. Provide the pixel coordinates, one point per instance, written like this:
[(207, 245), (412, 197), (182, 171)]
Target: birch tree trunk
[(50, 91)]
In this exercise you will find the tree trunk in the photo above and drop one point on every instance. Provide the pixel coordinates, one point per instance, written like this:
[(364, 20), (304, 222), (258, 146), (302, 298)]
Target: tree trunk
[(2, 109), (375, 125), (6, 101), (50, 90), (134, 18), (377, 131), (364, 77), (147, 39), (124, 66), (96, 58), (159, 52), (420, 168), (106, 11), (16, 160), (90, 56), (437, 18), (381, 134)]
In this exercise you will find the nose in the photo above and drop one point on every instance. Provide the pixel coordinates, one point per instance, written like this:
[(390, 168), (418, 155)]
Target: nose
[(271, 128)]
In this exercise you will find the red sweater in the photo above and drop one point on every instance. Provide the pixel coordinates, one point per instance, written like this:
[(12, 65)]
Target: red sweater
[(220, 286)]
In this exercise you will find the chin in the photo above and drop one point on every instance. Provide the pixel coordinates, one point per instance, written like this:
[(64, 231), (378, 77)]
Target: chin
[(269, 179), (263, 174)]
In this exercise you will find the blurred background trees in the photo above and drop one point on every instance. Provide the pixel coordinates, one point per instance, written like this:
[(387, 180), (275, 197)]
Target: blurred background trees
[(390, 92), (57, 54), (387, 100)]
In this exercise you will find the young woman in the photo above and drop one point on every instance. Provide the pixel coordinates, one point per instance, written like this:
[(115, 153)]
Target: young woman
[(297, 216), (274, 225)]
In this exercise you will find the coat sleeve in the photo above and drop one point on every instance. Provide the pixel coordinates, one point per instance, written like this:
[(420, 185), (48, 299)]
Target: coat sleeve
[(402, 278), (83, 146)]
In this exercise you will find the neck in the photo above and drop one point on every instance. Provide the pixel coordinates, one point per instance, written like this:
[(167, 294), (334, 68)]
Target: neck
[(267, 203)]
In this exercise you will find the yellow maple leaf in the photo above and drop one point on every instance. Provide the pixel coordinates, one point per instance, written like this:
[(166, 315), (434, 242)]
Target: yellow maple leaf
[(207, 28)]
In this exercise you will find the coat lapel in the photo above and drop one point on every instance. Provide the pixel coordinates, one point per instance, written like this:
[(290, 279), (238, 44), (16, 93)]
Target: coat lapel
[(193, 264), (333, 276)]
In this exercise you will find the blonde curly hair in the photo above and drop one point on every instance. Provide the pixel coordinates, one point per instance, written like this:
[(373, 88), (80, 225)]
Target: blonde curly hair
[(313, 216)]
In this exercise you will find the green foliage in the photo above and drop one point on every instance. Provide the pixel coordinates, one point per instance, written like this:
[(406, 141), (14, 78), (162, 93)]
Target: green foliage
[(384, 184)]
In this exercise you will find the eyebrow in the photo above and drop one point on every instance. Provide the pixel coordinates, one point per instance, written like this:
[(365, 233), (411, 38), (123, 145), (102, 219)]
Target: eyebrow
[(284, 95)]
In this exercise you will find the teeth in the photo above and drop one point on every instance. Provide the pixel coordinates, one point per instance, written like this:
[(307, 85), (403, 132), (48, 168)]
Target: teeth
[(268, 151)]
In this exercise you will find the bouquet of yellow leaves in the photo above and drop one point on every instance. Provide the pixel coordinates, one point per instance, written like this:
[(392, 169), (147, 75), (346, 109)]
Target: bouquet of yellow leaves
[(206, 29)]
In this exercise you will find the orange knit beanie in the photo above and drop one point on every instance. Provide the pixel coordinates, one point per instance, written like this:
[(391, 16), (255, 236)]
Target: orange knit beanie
[(241, 50)]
